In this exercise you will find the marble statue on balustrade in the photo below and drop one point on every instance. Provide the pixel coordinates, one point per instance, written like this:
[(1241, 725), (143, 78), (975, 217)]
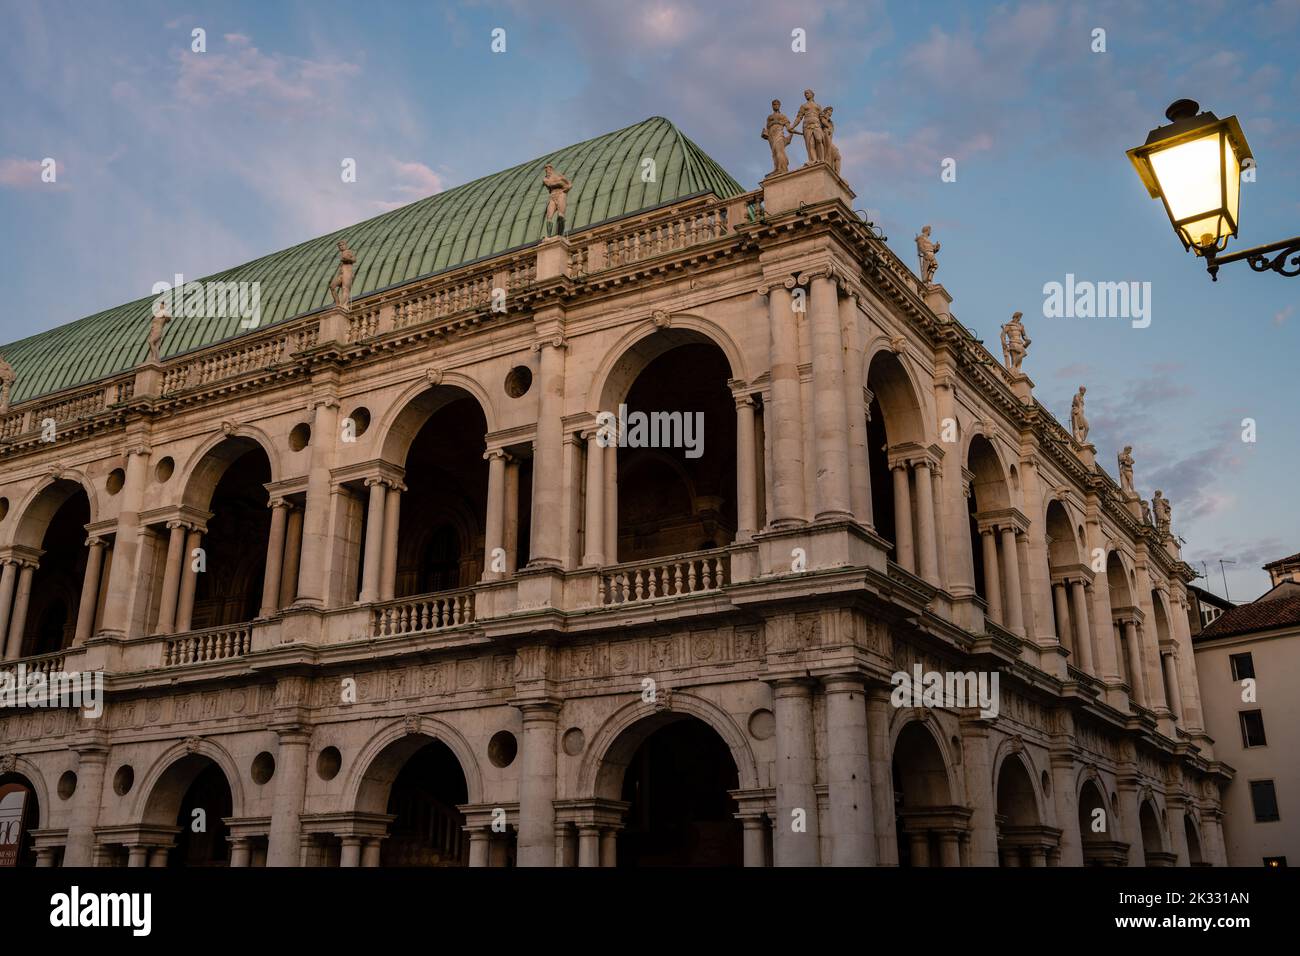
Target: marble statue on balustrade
[(1146, 511), (157, 329), (1078, 421), (1126, 471), (7, 379), (341, 284), (558, 186), (832, 151), (925, 250), (1015, 343), (814, 136), (1164, 512), (777, 132)]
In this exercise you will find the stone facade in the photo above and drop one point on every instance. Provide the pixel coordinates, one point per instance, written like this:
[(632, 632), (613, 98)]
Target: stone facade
[(890, 496)]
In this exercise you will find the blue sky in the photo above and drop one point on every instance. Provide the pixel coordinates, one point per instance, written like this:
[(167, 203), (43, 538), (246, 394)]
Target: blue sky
[(173, 161)]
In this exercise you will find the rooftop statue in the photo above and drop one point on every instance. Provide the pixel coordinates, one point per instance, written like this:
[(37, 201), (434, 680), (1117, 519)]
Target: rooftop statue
[(157, 328), (341, 284), (1078, 423), (832, 151), (926, 249), (814, 137), (778, 133), (1015, 344), (1164, 512), (1126, 470), (7, 378), (558, 185)]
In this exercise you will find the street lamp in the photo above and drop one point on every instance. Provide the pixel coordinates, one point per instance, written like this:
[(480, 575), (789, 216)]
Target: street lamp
[(1193, 166)]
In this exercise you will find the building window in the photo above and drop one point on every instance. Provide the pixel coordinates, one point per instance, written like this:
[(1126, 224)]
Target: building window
[(1264, 799), (1275, 862), (1252, 728), (1243, 666)]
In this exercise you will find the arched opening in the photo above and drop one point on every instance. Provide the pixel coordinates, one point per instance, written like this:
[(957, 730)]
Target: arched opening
[(440, 538), (194, 796), (1164, 639), (929, 827), (20, 814), (989, 501), (1152, 844), (56, 524), (229, 588), (675, 773), (894, 425), (1097, 829), (1062, 562), (1020, 836), (676, 459), (1122, 610), (419, 780), (1194, 857)]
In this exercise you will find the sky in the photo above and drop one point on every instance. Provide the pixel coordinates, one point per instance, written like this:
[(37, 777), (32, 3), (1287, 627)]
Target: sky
[(172, 161)]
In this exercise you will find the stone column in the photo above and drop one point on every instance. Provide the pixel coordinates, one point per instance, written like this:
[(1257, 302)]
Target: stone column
[(786, 425), (926, 532), (374, 553), (392, 524), (8, 582), (274, 558), (609, 847), (548, 456), (977, 772), (158, 856), (285, 840), (746, 459), (18, 624), (1135, 662), (1082, 627), (852, 833), (494, 527), (350, 855), (79, 849), (796, 768), (536, 846), (1187, 682), (588, 845), (171, 585), (292, 557), (904, 546), (830, 417), (755, 840), (1171, 678), (882, 775), (1066, 802), (593, 528), (1061, 603), (126, 584), (316, 566), (189, 581), (240, 852), (370, 848), (920, 845), (138, 856), (480, 839), (510, 528), (1011, 574), (1128, 806), (89, 591), (992, 579), (950, 850), (1178, 832), (44, 856), (856, 410), (611, 504)]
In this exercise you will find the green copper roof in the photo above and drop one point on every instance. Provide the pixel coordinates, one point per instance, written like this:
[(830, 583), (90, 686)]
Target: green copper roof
[(479, 219)]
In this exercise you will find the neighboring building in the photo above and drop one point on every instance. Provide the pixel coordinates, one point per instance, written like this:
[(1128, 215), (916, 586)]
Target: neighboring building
[(1204, 607), (1248, 661), (370, 587), (1284, 569)]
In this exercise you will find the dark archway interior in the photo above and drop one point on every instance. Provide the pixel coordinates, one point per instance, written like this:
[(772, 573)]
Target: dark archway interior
[(440, 538), (882, 483), (30, 819), (229, 591), (920, 781), (681, 813), (428, 829), (56, 585), (668, 503), (209, 846), (1017, 807)]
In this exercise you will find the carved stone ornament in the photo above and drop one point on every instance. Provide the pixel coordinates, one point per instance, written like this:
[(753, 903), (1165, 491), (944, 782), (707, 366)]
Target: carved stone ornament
[(8, 763), (192, 744), (660, 318), (433, 376), (413, 723), (664, 699), (228, 428)]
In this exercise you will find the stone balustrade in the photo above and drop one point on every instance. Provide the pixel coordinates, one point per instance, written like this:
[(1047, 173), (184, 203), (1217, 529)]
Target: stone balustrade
[(46, 664), (691, 573), (210, 644), (426, 612)]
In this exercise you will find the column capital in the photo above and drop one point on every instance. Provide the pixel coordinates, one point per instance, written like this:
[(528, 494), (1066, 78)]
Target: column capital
[(497, 453), (845, 682), (539, 710), (553, 341), (95, 541)]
